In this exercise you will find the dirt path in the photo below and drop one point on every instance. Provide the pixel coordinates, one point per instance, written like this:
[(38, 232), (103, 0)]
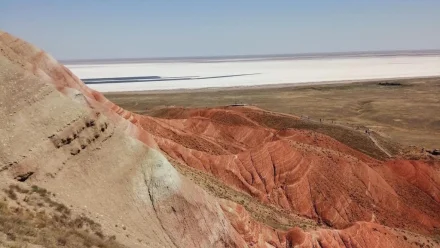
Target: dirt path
[(379, 146), (369, 134)]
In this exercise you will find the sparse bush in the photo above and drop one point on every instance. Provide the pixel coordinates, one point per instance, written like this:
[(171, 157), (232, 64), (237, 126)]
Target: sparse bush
[(48, 228), (18, 189), (3, 207), (62, 241), (62, 208), (42, 192), (11, 194), (99, 234), (11, 236)]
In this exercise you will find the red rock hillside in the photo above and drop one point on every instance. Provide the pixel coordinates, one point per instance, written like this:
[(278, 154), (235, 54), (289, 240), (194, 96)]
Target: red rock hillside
[(270, 185), (303, 172)]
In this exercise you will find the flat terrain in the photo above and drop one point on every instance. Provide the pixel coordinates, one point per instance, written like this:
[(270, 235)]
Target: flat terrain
[(118, 77), (407, 110)]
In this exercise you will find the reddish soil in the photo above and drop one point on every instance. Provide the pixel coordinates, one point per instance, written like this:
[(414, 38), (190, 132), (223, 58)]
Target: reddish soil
[(301, 171), (353, 200)]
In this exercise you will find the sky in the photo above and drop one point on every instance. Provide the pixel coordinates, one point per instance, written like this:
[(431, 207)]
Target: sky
[(98, 29)]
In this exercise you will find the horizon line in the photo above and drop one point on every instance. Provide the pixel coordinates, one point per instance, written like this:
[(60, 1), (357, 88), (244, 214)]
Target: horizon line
[(406, 52)]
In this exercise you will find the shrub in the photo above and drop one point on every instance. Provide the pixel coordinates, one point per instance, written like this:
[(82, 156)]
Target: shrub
[(47, 228), (42, 192), (11, 194)]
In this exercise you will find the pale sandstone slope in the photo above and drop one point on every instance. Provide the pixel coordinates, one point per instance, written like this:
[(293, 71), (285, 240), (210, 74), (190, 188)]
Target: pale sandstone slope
[(52, 126)]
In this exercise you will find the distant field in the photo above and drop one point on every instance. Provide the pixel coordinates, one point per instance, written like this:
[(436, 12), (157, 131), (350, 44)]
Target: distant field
[(407, 111)]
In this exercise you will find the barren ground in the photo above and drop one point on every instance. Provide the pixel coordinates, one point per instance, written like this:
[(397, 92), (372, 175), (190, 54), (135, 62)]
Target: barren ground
[(404, 110), (78, 171)]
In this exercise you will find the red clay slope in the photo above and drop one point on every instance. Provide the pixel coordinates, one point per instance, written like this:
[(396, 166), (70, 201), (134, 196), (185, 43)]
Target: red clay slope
[(301, 171)]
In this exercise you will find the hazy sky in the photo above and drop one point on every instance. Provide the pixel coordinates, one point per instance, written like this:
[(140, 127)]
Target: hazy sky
[(80, 29)]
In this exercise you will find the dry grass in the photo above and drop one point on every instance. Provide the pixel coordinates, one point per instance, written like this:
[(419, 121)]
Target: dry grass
[(405, 110), (32, 217), (348, 135)]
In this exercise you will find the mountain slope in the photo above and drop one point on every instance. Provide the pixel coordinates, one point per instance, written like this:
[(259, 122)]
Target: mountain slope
[(248, 182), (301, 171), (55, 132)]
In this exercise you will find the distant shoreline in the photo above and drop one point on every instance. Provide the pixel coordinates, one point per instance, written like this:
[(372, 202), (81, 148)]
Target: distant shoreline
[(263, 57), (271, 86)]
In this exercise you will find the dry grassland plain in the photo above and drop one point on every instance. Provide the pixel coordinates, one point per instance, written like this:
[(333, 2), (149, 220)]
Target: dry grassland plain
[(405, 110)]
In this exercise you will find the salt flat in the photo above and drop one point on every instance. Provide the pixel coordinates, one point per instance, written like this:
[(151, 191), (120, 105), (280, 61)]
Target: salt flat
[(255, 73)]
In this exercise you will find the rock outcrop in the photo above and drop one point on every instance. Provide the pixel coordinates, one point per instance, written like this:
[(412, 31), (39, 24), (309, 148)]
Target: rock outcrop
[(55, 130)]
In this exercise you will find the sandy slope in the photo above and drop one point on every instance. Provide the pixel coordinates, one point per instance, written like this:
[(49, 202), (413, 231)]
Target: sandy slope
[(260, 72), (94, 160)]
